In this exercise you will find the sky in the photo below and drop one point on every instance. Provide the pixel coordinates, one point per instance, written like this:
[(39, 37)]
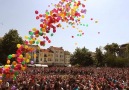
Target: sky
[(112, 17)]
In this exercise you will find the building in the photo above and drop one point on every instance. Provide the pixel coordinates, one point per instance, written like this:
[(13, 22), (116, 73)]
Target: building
[(123, 49), (55, 56), (59, 58), (46, 56), (67, 58)]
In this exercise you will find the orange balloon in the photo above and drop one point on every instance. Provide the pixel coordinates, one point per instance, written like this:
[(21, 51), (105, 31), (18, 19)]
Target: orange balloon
[(8, 61), (0, 81)]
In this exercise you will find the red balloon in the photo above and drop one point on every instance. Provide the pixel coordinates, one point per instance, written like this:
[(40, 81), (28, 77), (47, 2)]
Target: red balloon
[(37, 17), (91, 19), (47, 38), (49, 41), (44, 37), (72, 36), (42, 43), (36, 12), (54, 30), (41, 25), (40, 15)]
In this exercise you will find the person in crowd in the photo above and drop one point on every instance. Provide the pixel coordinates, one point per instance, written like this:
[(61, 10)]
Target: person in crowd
[(69, 78)]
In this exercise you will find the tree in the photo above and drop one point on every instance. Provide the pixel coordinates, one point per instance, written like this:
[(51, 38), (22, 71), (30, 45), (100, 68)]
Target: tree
[(99, 57), (0, 45), (81, 57), (9, 44), (112, 49), (115, 49), (1, 50), (127, 51)]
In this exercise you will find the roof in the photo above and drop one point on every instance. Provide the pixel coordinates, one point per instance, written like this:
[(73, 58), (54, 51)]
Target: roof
[(46, 50), (123, 45), (56, 48), (67, 53), (33, 45)]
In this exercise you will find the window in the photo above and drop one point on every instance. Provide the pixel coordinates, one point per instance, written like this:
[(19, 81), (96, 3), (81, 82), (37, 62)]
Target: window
[(45, 55), (61, 56), (62, 60), (45, 60), (49, 59), (41, 59), (61, 52), (49, 54), (56, 60)]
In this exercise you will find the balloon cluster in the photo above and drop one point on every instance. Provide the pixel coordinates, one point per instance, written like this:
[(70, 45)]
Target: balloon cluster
[(68, 11), (10, 70)]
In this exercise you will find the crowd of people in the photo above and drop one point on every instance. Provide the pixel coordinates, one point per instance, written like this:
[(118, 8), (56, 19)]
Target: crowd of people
[(69, 78)]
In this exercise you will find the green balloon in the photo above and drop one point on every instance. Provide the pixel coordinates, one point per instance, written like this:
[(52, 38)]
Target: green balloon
[(40, 33), (37, 42), (33, 42), (3, 76), (11, 70), (47, 13), (12, 66), (40, 29), (52, 34), (86, 25), (14, 78), (23, 62), (9, 56), (29, 38), (15, 73), (31, 33)]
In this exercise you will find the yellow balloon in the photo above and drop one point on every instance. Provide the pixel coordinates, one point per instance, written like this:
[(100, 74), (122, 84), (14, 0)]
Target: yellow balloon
[(26, 37), (34, 29), (18, 45), (35, 55), (96, 21), (21, 56), (83, 16), (26, 46), (6, 66), (27, 61), (29, 57), (13, 55), (38, 40)]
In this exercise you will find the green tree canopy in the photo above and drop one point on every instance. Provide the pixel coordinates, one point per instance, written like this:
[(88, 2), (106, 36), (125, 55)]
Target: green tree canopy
[(82, 57), (99, 57), (9, 44), (112, 49)]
